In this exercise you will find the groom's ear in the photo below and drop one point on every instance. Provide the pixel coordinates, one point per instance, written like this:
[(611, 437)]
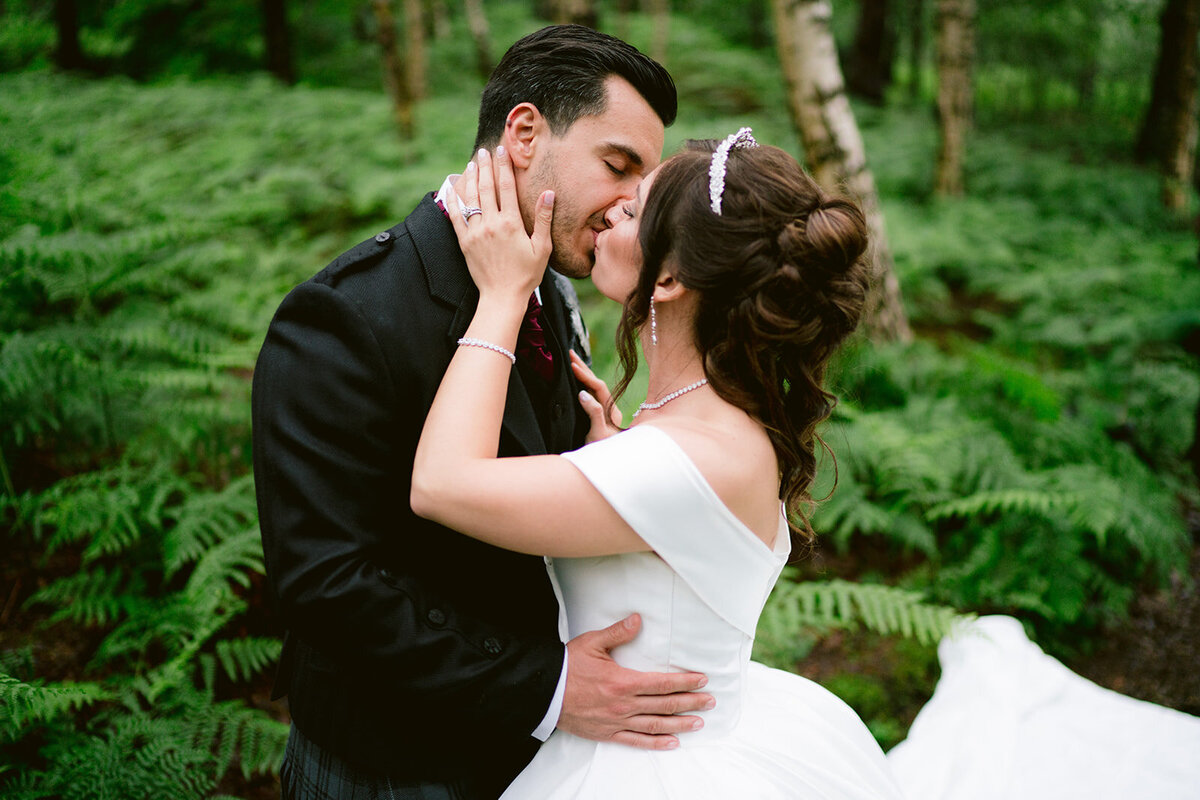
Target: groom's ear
[(523, 129)]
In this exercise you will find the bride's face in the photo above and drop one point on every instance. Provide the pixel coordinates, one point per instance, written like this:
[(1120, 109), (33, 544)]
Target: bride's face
[(618, 254)]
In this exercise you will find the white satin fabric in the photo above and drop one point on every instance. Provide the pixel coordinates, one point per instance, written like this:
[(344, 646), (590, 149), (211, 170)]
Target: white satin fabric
[(1008, 722), (700, 592)]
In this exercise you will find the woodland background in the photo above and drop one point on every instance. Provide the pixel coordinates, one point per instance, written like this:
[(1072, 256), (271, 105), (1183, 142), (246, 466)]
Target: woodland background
[(1018, 431)]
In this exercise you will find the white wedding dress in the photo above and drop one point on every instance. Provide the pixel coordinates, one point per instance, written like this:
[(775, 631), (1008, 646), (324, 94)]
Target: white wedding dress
[(700, 592)]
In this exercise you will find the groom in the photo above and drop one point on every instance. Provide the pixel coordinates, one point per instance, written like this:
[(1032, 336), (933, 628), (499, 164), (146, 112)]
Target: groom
[(419, 663)]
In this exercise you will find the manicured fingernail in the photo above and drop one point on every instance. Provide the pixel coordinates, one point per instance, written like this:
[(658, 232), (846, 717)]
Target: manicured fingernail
[(672, 744), (711, 704), (584, 397), (703, 682), (548, 199), (483, 153), (698, 724), (470, 166), (499, 150)]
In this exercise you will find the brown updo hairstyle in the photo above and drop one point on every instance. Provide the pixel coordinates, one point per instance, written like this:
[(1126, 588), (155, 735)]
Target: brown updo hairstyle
[(781, 283)]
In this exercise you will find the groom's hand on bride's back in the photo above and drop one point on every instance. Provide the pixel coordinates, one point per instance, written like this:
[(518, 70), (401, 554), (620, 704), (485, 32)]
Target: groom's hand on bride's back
[(609, 703)]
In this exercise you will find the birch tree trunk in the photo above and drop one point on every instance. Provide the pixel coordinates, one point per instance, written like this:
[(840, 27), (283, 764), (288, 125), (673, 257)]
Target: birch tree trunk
[(414, 57), (833, 146), (956, 52), (395, 75), (481, 36)]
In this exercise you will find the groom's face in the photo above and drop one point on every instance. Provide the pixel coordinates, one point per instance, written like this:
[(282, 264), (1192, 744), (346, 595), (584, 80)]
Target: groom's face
[(595, 165)]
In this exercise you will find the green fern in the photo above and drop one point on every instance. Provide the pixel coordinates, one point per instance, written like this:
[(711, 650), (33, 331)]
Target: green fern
[(242, 659), (25, 704), (795, 607)]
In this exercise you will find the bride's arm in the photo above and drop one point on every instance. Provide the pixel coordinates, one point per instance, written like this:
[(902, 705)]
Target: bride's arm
[(538, 504)]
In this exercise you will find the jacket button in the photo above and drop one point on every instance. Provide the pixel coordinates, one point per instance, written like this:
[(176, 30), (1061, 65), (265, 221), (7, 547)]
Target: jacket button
[(557, 411), (386, 574), (436, 617), (491, 645), (382, 237)]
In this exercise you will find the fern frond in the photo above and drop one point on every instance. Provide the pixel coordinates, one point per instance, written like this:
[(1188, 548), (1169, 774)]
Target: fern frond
[(23, 704), (1019, 501), (92, 597), (204, 519), (227, 562), (838, 603), (245, 658)]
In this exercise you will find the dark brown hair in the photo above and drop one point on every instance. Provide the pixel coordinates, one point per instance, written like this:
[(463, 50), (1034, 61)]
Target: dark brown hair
[(781, 283), (562, 69)]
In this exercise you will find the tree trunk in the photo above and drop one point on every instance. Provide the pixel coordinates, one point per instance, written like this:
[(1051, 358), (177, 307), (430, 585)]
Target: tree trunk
[(478, 24), (955, 52), (833, 146), (870, 68), (1179, 120), (1176, 64), (395, 75), (277, 40), (68, 54), (916, 46), (576, 12), (661, 11), (414, 58), (624, 7), (441, 18)]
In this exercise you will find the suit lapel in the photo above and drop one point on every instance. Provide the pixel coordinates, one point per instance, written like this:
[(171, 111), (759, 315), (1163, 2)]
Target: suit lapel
[(450, 283)]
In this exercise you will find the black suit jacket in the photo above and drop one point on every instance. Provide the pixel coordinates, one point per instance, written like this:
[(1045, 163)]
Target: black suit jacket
[(412, 650)]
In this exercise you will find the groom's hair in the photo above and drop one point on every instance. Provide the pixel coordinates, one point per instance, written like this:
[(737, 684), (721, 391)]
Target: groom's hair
[(562, 69)]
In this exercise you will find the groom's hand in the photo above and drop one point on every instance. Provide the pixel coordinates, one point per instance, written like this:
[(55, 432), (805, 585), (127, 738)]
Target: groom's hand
[(608, 703)]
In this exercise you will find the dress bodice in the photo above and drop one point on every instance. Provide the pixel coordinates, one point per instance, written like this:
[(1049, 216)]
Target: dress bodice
[(699, 591)]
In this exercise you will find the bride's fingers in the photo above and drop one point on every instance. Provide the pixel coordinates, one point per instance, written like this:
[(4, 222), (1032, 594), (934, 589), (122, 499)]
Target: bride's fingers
[(506, 183), (454, 211), (487, 183), (470, 185), (588, 378)]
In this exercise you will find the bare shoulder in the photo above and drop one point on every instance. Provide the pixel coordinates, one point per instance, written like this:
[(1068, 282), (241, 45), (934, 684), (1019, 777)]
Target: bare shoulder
[(735, 456)]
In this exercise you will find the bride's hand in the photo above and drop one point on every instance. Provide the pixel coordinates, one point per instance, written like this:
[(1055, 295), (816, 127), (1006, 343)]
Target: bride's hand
[(593, 400), (501, 256)]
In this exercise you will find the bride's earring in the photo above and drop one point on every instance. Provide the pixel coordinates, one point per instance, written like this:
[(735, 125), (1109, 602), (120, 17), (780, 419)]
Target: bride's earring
[(653, 324)]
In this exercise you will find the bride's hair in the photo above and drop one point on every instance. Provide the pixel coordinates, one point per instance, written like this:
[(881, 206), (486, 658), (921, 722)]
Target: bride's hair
[(780, 281)]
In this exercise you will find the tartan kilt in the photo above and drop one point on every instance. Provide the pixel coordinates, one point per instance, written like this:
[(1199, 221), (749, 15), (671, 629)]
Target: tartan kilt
[(310, 772)]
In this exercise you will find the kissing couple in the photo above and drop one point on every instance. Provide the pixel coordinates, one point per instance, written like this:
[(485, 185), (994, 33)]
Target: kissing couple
[(491, 586)]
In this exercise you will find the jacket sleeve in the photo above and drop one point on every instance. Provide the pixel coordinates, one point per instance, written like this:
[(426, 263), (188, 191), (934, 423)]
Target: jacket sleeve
[(332, 485)]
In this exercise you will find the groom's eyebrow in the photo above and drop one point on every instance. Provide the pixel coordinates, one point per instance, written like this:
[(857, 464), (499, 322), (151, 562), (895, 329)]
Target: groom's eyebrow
[(629, 153)]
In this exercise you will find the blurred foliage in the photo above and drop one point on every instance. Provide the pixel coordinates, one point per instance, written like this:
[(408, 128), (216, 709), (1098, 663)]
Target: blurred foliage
[(1029, 454)]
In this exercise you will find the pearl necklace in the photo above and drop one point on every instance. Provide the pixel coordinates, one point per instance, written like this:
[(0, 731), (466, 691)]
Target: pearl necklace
[(670, 397)]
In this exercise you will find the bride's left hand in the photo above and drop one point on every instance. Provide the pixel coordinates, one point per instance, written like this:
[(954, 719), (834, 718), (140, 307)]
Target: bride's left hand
[(594, 399), (501, 256)]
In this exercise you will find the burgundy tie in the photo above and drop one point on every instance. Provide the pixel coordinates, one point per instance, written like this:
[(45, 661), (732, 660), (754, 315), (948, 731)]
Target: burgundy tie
[(531, 342)]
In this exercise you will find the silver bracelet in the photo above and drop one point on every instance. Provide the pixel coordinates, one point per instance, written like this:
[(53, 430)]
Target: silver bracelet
[(472, 342)]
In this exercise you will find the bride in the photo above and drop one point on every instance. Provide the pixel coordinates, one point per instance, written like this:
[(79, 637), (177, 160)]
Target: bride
[(740, 278)]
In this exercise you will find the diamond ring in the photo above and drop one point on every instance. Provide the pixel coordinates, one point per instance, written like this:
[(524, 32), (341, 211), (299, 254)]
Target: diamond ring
[(470, 211)]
